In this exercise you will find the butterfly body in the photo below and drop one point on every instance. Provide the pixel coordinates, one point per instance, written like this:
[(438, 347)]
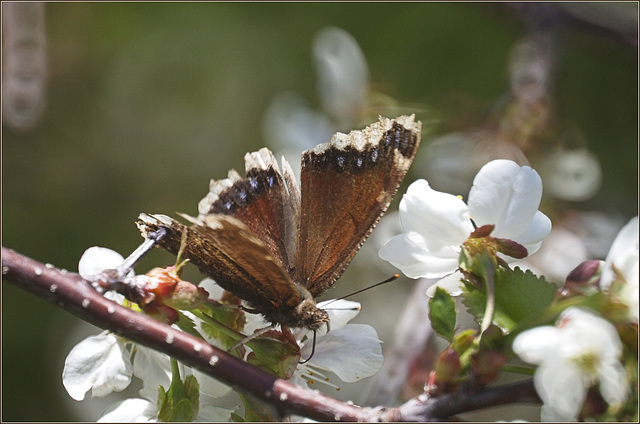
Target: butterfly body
[(279, 246)]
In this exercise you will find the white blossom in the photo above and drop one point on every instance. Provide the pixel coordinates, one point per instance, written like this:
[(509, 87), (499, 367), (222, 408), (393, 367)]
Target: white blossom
[(103, 364), (436, 224), (358, 342), (99, 363)]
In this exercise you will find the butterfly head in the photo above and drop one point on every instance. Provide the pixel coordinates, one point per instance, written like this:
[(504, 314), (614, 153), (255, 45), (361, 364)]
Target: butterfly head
[(311, 316)]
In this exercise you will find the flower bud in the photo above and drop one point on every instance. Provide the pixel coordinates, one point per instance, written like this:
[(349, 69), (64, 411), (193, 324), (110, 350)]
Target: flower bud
[(582, 280), (447, 366), (487, 365), (186, 296), (161, 282)]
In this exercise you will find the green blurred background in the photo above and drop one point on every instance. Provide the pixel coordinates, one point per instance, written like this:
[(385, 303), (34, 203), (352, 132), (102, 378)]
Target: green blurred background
[(145, 102)]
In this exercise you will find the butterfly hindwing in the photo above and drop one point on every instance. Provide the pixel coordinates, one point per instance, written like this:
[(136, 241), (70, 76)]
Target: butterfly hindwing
[(266, 201), (227, 251)]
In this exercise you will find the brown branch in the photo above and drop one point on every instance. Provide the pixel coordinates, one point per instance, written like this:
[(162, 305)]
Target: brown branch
[(70, 292), (445, 407)]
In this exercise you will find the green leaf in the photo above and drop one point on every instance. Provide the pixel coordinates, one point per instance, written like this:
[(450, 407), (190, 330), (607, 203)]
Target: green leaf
[(192, 388), (442, 313), (165, 405), (187, 325), (183, 411), (276, 352), (182, 401), (256, 410), (519, 295)]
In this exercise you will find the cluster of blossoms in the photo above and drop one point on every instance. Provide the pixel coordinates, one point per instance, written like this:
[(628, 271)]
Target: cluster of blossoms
[(445, 239), (105, 363)]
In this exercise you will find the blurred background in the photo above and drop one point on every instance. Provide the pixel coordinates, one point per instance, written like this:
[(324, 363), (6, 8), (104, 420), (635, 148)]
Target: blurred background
[(113, 109)]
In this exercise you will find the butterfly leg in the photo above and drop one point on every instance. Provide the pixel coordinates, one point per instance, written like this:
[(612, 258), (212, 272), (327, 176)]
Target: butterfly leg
[(257, 333)]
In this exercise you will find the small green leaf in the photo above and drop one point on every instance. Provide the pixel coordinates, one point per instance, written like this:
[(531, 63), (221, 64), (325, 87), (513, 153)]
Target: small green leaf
[(182, 401), (256, 410), (519, 295), (165, 405), (442, 313), (463, 341), (222, 322), (183, 411), (276, 352), (192, 388)]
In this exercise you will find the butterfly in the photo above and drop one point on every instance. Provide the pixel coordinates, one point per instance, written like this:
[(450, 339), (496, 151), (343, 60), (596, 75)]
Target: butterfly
[(277, 245)]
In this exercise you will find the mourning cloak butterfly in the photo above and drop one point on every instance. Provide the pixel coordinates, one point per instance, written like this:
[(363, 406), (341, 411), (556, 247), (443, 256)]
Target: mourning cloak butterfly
[(277, 246)]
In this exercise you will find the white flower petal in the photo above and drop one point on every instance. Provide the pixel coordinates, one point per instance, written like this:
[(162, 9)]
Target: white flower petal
[(154, 369), (214, 290), (584, 331), (358, 342), (534, 346), (561, 389), (441, 218), (451, 283), (343, 74), (531, 238), (130, 410), (340, 311), (210, 386), (506, 195), (96, 259), (100, 363), (579, 350), (623, 253), (212, 413), (408, 253), (613, 383)]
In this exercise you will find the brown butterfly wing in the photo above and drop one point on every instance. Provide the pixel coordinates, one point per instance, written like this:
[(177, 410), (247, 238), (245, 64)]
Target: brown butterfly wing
[(346, 186), (223, 248)]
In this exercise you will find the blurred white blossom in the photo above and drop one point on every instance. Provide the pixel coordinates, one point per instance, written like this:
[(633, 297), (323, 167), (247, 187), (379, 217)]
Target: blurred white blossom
[(573, 175), (561, 252), (581, 350), (622, 261), (343, 87)]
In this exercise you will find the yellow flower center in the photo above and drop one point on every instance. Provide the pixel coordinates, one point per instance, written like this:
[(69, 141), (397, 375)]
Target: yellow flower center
[(588, 364)]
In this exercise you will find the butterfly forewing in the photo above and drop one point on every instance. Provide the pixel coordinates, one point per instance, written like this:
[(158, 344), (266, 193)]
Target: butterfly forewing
[(346, 186)]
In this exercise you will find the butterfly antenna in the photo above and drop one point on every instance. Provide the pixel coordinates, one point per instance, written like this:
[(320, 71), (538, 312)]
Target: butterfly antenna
[(388, 280), (313, 349)]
